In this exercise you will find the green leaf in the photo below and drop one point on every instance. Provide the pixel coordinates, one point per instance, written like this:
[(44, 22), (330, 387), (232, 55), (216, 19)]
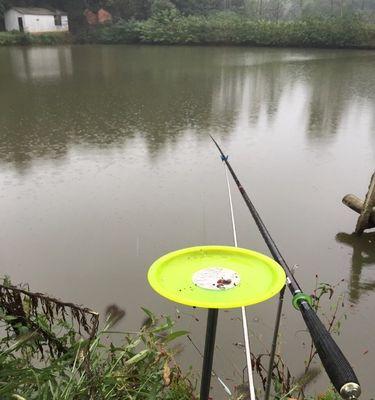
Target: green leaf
[(175, 335), (161, 328), (138, 357), (133, 344), (10, 318), (149, 314)]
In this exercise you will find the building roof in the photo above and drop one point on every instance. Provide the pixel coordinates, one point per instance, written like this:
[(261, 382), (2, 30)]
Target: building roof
[(38, 11)]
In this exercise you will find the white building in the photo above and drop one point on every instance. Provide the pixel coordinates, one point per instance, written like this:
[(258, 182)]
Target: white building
[(35, 20)]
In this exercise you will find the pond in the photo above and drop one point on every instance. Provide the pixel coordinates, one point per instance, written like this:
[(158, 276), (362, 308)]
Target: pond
[(106, 164)]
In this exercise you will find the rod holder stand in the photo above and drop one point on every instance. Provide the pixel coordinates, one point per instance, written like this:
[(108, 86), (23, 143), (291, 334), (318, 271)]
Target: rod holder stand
[(209, 349)]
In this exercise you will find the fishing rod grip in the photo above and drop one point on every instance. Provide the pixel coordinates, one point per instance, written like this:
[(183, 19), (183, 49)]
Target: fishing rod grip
[(336, 365)]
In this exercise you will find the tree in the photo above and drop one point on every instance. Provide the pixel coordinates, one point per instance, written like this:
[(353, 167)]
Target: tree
[(127, 9), (198, 6), (159, 6)]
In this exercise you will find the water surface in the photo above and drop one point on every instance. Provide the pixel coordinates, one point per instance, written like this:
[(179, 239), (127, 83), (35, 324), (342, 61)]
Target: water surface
[(106, 164)]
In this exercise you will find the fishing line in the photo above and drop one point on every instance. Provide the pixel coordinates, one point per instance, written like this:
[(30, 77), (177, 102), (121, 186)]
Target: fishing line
[(225, 387), (243, 310)]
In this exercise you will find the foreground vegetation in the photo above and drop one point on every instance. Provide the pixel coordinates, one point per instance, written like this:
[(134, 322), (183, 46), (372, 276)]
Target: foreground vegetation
[(43, 357), (44, 354), (140, 368), (169, 27)]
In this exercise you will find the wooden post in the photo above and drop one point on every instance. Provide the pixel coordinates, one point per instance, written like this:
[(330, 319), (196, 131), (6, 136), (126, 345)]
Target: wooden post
[(366, 208), (364, 218), (356, 204)]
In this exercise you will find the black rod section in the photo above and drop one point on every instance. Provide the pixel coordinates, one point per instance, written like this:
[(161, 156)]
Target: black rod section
[(336, 365), (209, 349)]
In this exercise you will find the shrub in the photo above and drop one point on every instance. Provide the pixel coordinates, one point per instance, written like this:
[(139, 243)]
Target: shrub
[(168, 26), (50, 38), (20, 38), (121, 32), (159, 6), (13, 38)]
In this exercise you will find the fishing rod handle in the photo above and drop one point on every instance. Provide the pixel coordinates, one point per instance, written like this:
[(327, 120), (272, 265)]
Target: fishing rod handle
[(336, 365)]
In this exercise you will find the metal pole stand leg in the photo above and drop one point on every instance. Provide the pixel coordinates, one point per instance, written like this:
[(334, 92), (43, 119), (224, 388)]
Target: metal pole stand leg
[(209, 349)]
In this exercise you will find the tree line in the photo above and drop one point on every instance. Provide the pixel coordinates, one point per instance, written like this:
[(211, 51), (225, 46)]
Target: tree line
[(257, 9)]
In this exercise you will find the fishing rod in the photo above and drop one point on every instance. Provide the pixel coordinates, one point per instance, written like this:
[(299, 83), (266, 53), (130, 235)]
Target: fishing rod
[(243, 310), (336, 365)]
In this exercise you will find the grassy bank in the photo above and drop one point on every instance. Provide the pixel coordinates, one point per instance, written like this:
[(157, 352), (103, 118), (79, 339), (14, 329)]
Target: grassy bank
[(25, 39), (141, 367), (169, 27), (52, 349)]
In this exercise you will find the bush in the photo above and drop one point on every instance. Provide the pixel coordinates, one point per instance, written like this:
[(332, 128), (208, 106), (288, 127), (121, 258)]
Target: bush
[(121, 32), (51, 38), (170, 27), (20, 38), (14, 38), (159, 6), (230, 28)]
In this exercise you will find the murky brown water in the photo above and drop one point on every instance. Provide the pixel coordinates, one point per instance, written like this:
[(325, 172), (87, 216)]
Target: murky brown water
[(106, 164)]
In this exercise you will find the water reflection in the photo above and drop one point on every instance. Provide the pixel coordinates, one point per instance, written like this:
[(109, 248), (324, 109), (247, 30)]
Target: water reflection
[(104, 96), (336, 88), (363, 256), (41, 63)]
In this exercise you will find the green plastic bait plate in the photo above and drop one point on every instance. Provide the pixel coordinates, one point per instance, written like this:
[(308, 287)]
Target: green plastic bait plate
[(216, 277)]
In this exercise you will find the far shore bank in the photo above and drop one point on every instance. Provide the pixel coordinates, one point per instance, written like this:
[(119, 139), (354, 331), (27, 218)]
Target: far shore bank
[(215, 30)]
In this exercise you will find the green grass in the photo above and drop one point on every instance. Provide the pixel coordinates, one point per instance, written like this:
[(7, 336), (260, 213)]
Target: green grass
[(24, 39), (42, 356), (12, 38), (141, 367), (51, 38)]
